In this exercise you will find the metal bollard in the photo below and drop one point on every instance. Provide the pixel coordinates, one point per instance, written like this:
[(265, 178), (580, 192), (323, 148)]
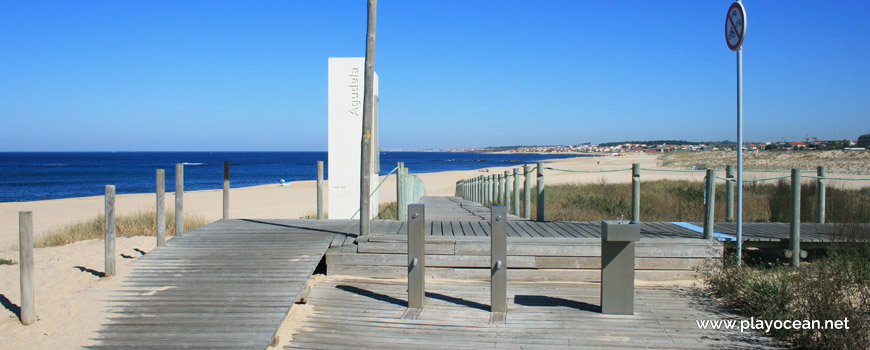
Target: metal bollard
[(498, 261), (617, 266), (416, 255)]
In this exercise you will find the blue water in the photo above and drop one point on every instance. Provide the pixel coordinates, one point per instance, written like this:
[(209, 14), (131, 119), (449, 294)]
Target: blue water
[(51, 175)]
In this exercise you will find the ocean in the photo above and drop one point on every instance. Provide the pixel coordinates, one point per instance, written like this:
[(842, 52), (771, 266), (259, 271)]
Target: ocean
[(51, 175)]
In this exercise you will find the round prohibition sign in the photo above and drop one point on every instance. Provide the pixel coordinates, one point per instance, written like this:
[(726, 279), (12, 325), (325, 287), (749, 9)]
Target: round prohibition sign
[(735, 26)]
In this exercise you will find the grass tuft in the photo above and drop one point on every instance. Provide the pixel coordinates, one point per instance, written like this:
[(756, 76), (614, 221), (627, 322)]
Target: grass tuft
[(142, 223), (6, 262)]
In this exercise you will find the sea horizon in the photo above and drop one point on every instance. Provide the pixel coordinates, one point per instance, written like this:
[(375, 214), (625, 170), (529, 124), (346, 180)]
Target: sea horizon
[(43, 175)]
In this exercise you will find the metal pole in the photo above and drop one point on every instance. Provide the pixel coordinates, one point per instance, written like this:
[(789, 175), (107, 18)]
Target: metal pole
[(540, 204), (635, 192), (516, 192), (729, 193), (320, 215), (416, 255), (179, 199), (820, 187), (740, 154), (709, 199), (368, 111), (25, 260), (226, 189), (498, 260), (159, 209), (110, 230), (527, 192), (795, 237)]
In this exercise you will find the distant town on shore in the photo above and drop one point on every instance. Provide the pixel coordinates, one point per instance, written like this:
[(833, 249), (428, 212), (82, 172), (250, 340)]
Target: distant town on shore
[(660, 146)]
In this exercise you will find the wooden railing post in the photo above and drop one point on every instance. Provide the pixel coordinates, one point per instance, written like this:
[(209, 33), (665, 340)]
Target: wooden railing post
[(226, 190), (795, 232), (709, 201), (499, 199), (729, 193), (401, 197), (516, 191), (635, 192), (820, 197), (179, 199), (25, 262), (507, 189), (541, 201), (160, 209), (110, 230), (320, 215), (527, 192)]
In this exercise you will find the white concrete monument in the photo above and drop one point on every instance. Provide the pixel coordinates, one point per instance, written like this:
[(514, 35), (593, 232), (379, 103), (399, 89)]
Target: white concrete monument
[(346, 84)]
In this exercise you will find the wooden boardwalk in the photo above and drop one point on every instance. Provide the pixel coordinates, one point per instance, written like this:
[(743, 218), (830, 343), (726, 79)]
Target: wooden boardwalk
[(455, 208), (227, 285), (356, 314)]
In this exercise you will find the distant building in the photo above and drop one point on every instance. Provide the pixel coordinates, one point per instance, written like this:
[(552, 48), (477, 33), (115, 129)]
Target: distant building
[(863, 141)]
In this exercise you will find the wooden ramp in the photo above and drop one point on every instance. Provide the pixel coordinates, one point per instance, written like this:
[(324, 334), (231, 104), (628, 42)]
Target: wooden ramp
[(357, 314), (227, 285)]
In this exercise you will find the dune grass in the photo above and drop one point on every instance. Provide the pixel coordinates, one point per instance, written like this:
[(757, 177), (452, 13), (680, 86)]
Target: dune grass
[(681, 200), (142, 223), (6, 262), (834, 287), (387, 211)]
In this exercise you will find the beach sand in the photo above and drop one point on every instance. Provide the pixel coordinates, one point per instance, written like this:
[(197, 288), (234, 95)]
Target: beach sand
[(69, 295)]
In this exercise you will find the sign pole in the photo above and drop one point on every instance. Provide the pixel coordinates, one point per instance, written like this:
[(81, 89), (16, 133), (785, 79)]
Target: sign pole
[(739, 156), (735, 32)]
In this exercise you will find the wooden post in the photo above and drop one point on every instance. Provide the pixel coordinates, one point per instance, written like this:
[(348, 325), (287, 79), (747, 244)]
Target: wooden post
[(729, 193), (179, 199), (507, 189), (820, 196), (516, 191), (368, 111), (709, 200), (635, 192), (492, 186), (401, 198), (226, 190), (527, 192), (160, 209), (795, 234), (25, 257), (110, 230), (500, 199), (541, 201), (320, 215)]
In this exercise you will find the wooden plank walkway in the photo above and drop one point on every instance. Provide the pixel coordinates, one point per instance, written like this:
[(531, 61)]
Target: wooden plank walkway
[(227, 285), (455, 208), (353, 313)]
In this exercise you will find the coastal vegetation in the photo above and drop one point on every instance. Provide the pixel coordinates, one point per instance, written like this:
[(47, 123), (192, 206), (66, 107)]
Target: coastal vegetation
[(771, 160), (836, 286), (142, 223), (681, 200), (6, 262)]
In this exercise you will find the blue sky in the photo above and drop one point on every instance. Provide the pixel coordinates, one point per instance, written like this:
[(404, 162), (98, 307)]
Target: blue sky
[(239, 76)]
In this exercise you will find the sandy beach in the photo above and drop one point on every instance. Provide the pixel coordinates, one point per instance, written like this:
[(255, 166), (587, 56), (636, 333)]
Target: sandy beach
[(69, 293)]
